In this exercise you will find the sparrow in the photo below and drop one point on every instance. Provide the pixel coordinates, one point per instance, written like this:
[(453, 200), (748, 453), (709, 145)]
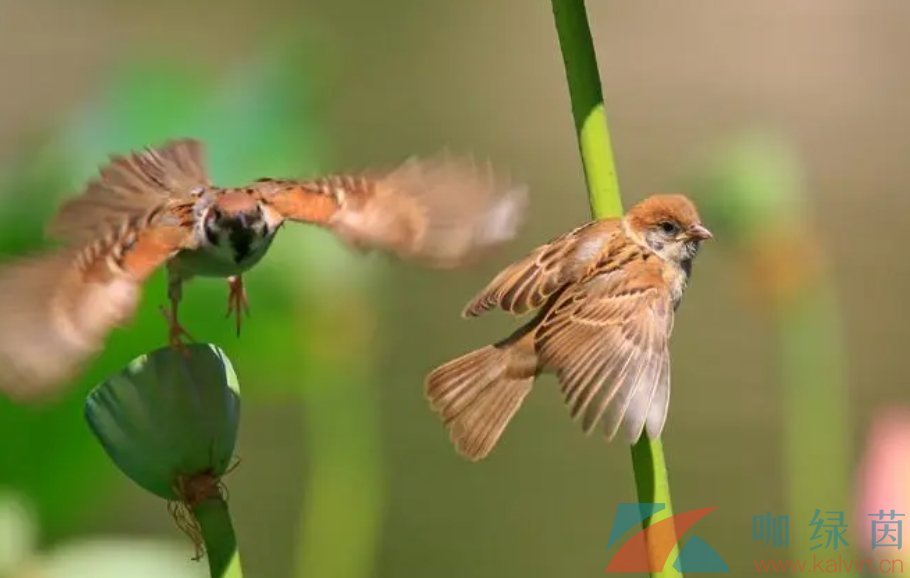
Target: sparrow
[(604, 295), (157, 207)]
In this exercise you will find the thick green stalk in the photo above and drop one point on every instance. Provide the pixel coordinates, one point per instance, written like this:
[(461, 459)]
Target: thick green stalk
[(653, 486), (342, 509), (603, 191), (815, 397), (588, 107), (219, 539)]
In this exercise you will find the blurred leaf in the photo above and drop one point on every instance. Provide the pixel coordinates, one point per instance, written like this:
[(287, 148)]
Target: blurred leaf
[(28, 189), (18, 533), (147, 103), (748, 184), (119, 558)]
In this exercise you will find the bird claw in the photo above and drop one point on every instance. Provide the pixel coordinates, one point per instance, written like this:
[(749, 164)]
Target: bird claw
[(177, 334), (238, 305)]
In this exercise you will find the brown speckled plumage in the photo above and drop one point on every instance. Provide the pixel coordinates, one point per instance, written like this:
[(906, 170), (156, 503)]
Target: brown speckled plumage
[(604, 296), (158, 207)]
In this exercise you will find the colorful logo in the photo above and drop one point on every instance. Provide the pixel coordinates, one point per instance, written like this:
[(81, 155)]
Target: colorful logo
[(661, 536)]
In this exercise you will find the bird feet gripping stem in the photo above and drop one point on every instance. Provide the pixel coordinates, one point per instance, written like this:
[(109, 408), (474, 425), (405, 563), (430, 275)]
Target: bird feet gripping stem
[(177, 335), (238, 305)]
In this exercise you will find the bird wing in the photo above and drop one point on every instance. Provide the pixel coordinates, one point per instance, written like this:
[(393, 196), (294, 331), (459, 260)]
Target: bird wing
[(527, 284), (442, 211), (58, 308), (607, 340), (132, 187)]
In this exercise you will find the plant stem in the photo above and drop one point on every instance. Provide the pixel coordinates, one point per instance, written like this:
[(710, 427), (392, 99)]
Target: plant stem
[(815, 396), (653, 486), (588, 107), (219, 539), (590, 117), (342, 510)]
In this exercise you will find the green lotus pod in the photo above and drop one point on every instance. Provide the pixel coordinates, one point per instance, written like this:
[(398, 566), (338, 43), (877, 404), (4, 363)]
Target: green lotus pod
[(169, 415)]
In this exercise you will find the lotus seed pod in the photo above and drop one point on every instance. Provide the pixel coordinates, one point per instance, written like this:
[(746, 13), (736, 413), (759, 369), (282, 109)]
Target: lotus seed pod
[(169, 415)]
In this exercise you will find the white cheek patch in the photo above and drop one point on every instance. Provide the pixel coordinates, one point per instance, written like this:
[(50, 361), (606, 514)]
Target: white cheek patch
[(272, 218), (656, 243)]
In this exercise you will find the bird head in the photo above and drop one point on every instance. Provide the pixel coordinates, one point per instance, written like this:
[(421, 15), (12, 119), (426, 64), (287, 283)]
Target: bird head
[(669, 225), (234, 209), (237, 219)]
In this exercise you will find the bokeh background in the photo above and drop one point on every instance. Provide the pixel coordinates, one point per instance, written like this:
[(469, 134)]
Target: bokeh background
[(789, 122)]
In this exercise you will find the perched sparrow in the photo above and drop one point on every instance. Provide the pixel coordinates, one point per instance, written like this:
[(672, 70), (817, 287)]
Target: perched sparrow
[(605, 294), (158, 207)]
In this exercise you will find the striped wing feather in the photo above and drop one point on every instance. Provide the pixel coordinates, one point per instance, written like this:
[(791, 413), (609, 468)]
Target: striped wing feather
[(131, 188), (58, 308), (442, 211), (527, 284), (607, 340)]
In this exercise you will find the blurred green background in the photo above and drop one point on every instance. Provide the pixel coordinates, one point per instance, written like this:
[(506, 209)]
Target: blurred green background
[(345, 472)]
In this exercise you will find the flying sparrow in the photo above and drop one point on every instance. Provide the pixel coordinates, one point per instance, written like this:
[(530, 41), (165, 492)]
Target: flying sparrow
[(605, 296), (158, 207)]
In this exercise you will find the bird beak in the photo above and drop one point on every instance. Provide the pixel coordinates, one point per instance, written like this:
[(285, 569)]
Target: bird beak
[(701, 232)]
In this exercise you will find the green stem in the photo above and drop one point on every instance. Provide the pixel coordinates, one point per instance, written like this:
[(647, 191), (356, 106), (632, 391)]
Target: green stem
[(342, 509), (653, 486), (588, 107), (590, 117), (815, 396), (219, 539)]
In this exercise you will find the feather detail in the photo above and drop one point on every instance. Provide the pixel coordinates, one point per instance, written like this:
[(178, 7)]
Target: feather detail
[(606, 339), (132, 188), (605, 294), (56, 315), (441, 211), (527, 284), (313, 201), (478, 394), (59, 308)]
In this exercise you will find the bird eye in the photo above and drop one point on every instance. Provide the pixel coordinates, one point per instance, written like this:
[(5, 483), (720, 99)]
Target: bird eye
[(668, 227)]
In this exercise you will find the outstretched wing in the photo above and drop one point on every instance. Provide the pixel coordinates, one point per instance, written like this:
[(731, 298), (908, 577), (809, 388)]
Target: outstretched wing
[(607, 340), (442, 211), (58, 308), (131, 187), (527, 284)]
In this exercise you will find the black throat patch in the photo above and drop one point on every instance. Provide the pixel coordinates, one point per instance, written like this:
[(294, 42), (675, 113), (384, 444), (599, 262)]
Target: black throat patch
[(686, 266), (241, 239)]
